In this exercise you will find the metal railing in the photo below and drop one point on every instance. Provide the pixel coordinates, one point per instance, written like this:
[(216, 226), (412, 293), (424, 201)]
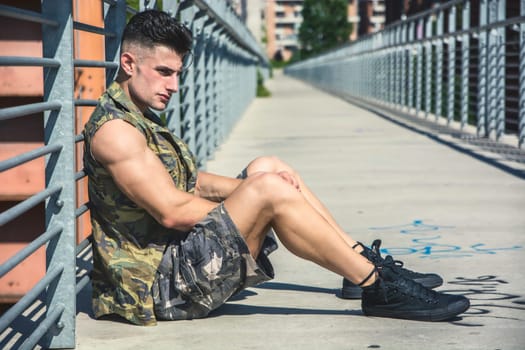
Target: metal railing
[(214, 92), (461, 64)]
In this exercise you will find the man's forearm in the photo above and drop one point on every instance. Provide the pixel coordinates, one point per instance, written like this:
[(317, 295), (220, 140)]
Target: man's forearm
[(215, 187)]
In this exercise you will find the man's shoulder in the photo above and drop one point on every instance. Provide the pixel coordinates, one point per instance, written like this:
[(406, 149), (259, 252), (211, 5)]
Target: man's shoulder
[(107, 109)]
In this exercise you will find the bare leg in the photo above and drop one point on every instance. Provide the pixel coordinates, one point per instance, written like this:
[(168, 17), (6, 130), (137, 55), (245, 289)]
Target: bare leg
[(275, 165), (266, 199)]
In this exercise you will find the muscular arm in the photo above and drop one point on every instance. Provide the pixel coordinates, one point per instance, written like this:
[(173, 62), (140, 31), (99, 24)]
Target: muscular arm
[(140, 174)]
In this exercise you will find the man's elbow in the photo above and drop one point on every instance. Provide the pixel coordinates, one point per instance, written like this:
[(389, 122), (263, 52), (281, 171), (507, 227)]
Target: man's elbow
[(174, 222)]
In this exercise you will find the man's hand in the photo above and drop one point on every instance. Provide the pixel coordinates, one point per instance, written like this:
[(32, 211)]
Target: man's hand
[(214, 187)]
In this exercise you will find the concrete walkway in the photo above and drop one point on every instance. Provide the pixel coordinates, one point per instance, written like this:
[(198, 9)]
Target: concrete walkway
[(435, 208)]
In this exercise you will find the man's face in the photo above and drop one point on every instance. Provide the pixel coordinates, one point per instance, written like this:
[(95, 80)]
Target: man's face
[(154, 77)]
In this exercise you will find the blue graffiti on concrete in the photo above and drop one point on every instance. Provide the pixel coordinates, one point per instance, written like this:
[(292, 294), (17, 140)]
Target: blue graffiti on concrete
[(429, 246)]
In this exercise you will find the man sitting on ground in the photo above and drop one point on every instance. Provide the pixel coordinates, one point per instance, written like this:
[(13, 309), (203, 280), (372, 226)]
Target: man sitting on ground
[(172, 242)]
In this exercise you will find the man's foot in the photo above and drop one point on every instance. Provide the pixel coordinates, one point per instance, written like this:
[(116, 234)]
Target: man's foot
[(353, 291), (393, 295)]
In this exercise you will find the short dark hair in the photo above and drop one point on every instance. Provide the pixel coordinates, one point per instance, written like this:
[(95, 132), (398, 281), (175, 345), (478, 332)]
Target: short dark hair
[(153, 27)]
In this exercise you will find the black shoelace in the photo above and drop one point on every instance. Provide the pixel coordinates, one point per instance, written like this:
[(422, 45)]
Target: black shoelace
[(376, 257), (406, 286)]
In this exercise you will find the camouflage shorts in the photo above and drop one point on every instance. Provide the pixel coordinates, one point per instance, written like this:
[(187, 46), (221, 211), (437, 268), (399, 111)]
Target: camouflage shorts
[(200, 273)]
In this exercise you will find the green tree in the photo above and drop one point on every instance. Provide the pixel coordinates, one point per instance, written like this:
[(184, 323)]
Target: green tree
[(325, 25)]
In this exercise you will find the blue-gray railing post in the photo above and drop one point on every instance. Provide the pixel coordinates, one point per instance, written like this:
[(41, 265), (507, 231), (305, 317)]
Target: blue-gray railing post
[(188, 83), (227, 86), (389, 67), (419, 66), (114, 22), (451, 75), (482, 69), (173, 115), (393, 67), (382, 71), (199, 90), (498, 13), (403, 52), (147, 5), (465, 60), (438, 57), (428, 66), (209, 78), (521, 116), (221, 84), (59, 129), (411, 52)]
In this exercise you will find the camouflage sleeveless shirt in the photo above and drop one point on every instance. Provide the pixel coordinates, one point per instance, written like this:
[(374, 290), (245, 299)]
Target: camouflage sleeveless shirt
[(128, 242)]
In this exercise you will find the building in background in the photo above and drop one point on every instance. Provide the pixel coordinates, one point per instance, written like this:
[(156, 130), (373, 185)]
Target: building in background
[(275, 23), (371, 16), (353, 17), (251, 14), (282, 19)]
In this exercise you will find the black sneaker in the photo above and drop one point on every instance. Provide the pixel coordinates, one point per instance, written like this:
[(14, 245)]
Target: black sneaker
[(395, 296), (353, 291)]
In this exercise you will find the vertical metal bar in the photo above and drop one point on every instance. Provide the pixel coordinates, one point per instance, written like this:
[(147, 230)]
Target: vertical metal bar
[(221, 82), (412, 52), (398, 83), (389, 68), (377, 72), (521, 131), (232, 100), (500, 48), (59, 128), (482, 71), (370, 75), (392, 67), (465, 59), (225, 87), (211, 108), (348, 83), (351, 65), (438, 78), (419, 70), (173, 115), (382, 83), (492, 71), (114, 22), (199, 90), (428, 65), (188, 88), (403, 52), (451, 93), (147, 5)]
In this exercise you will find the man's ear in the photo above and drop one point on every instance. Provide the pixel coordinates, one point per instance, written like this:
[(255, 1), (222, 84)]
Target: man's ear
[(127, 63)]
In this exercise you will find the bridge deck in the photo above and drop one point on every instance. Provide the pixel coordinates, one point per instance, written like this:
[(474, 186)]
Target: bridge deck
[(436, 208)]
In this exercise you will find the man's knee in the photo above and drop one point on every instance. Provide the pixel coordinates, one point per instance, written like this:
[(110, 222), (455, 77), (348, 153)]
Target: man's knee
[(270, 164), (271, 186)]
